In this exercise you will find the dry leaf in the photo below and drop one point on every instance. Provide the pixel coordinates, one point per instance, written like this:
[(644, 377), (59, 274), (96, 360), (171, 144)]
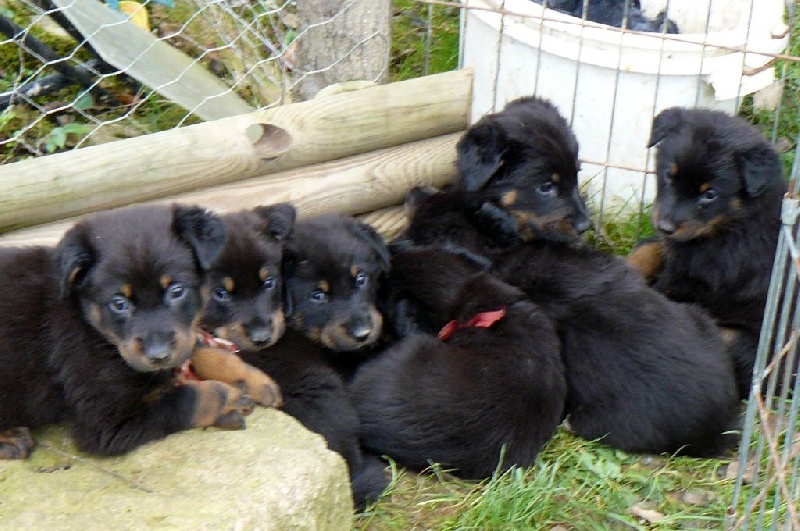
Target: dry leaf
[(641, 511)]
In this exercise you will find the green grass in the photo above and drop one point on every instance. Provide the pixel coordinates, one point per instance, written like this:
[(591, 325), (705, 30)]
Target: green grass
[(575, 484), (411, 41)]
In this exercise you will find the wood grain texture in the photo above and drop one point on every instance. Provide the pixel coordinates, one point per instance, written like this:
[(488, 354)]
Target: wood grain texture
[(389, 221), (195, 157), (354, 185)]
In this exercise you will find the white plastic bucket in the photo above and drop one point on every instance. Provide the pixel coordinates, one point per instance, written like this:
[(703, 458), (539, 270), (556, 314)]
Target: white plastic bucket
[(610, 84)]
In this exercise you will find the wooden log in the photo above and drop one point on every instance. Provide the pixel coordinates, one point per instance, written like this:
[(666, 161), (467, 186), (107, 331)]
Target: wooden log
[(355, 185), (340, 40), (389, 221), (64, 185)]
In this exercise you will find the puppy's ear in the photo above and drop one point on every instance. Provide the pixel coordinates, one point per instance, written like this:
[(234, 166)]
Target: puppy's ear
[(369, 235), (75, 256), (202, 230), (759, 166), (480, 155), (280, 219), (417, 195), (665, 123)]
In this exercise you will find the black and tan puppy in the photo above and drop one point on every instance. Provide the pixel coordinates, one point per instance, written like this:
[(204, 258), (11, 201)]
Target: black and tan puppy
[(333, 265), (93, 330), (518, 180), (486, 394), (643, 372), (717, 212)]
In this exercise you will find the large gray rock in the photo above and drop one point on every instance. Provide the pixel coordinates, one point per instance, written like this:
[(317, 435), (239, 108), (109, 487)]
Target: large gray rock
[(273, 475)]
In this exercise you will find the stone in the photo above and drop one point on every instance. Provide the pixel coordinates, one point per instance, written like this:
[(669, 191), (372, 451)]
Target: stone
[(273, 475)]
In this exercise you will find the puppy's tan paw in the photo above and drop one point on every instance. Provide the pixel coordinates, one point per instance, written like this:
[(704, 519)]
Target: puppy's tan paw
[(219, 404)]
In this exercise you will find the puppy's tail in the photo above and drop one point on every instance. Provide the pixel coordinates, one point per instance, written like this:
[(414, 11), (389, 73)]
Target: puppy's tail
[(369, 482)]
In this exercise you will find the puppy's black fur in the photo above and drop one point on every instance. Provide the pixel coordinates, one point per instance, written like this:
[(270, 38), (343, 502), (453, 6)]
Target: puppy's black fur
[(477, 401), (717, 210), (92, 330), (331, 271), (644, 372), (619, 13)]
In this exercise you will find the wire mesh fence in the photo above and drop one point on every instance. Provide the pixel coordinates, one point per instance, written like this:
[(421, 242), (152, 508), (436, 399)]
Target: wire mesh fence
[(767, 495), (83, 72)]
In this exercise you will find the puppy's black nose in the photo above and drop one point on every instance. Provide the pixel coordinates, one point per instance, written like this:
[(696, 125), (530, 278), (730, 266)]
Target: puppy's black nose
[(158, 353), (666, 226), (260, 335), (360, 333), (582, 225), (157, 348)]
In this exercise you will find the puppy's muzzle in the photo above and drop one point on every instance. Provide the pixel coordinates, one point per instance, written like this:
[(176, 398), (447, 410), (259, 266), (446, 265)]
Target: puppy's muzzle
[(361, 330), (666, 226), (259, 335), (158, 348)]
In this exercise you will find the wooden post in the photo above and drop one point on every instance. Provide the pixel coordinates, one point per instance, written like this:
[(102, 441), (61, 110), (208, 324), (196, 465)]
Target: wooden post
[(355, 185), (341, 40), (64, 185)]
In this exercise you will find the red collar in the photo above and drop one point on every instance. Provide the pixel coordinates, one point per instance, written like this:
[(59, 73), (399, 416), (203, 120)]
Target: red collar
[(480, 320), (207, 339)]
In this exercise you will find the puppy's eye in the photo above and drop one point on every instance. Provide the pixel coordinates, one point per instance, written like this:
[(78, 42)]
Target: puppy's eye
[(318, 296), (361, 279), (708, 196), (175, 292), (548, 188), (269, 282), (221, 295), (119, 304)]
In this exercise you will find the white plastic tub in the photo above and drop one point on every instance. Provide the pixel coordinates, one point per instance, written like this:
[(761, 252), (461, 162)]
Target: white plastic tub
[(609, 84)]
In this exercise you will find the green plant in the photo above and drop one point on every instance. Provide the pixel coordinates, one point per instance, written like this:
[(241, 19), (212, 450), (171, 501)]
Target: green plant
[(57, 138)]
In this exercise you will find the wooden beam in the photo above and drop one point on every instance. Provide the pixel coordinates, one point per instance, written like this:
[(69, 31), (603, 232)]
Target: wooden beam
[(389, 221), (64, 185), (355, 185)]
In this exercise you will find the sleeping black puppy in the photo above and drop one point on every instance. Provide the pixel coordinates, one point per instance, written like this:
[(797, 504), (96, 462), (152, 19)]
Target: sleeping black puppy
[(486, 394), (644, 373), (93, 330), (718, 214), (331, 268)]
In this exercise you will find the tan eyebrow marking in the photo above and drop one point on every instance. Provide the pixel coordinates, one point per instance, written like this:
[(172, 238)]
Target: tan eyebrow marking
[(263, 273), (228, 284), (165, 281), (324, 286), (556, 177), (126, 290), (509, 198)]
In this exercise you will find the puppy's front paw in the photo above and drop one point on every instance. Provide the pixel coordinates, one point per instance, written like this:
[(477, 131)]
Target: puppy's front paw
[(219, 404), (261, 388), (223, 366), (16, 443)]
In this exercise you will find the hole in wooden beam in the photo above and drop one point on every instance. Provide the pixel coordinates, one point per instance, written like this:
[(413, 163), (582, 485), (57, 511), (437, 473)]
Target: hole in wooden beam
[(269, 140)]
